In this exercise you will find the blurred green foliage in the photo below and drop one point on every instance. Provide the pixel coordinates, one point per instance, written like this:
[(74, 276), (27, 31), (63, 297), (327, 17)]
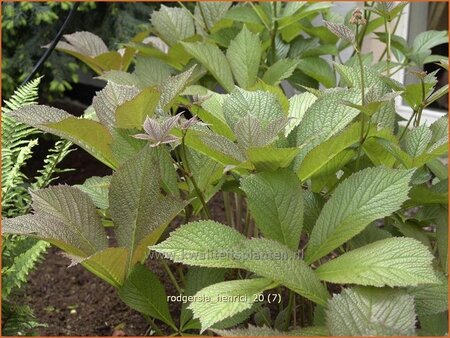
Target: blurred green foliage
[(27, 26)]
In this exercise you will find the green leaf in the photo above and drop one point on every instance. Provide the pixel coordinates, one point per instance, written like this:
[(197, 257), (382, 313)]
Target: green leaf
[(173, 24), (278, 263), (214, 60), (106, 101), (370, 234), (431, 298), (143, 292), (138, 209), (280, 70), (270, 159), (298, 105), (197, 278), (97, 188), (220, 301), (109, 264), (362, 198), (262, 105), (203, 243), (132, 114), (244, 55), (371, 312), (211, 12), (151, 71), (325, 118), (275, 200), (390, 262), (173, 86), (416, 140), (434, 325), (88, 134), (429, 39), (63, 216), (318, 69), (316, 160)]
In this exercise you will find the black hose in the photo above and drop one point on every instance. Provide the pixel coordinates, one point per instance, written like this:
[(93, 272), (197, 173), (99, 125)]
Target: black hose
[(53, 44)]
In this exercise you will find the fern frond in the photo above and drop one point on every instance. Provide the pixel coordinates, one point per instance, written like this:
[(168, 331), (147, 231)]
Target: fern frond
[(18, 320), (24, 95), (46, 175), (16, 275)]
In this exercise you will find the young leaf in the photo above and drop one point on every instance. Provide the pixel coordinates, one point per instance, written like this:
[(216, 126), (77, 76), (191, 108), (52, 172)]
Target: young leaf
[(340, 31), (389, 262), (65, 217), (371, 312), (173, 24), (280, 70), (88, 134), (203, 243), (214, 60), (220, 301), (138, 209), (275, 200), (106, 101), (277, 262), (244, 55), (143, 292), (368, 195), (173, 86)]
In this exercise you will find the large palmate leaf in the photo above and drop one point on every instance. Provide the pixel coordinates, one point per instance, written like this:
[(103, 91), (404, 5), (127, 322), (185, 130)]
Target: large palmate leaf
[(138, 209), (371, 312), (212, 58), (389, 262), (65, 217), (106, 101), (223, 300), (144, 292), (173, 24), (275, 200), (325, 118), (368, 195), (244, 55), (278, 263), (203, 243), (261, 105), (88, 134)]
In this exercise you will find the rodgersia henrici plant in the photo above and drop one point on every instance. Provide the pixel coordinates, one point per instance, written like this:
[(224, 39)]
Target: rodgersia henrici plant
[(336, 210)]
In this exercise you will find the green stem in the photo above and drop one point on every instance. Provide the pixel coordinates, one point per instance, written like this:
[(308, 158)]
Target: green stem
[(363, 99), (289, 310), (190, 176), (393, 32), (420, 109), (172, 277), (154, 326), (238, 202), (274, 33), (259, 16), (388, 47), (228, 209)]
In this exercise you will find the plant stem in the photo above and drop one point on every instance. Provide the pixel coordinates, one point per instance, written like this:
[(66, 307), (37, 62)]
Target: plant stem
[(172, 277), (238, 202), (363, 99), (274, 33), (153, 326), (266, 321), (289, 310), (228, 209), (388, 47), (190, 176)]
